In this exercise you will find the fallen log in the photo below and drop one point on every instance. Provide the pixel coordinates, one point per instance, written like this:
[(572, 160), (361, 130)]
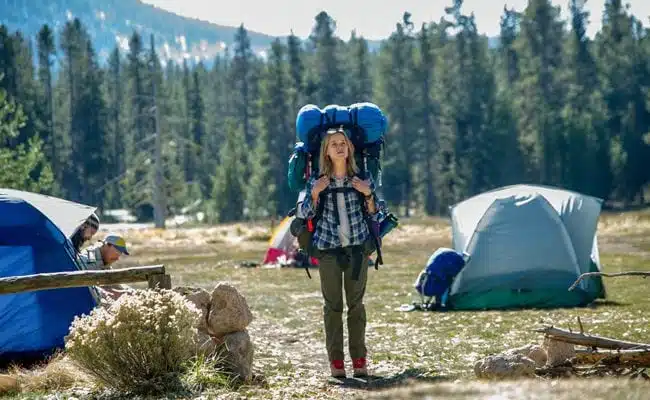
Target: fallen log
[(586, 340), (55, 280), (639, 357), (644, 274)]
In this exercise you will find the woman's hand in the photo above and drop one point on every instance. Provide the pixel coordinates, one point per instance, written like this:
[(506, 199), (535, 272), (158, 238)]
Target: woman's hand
[(321, 184), (362, 186)]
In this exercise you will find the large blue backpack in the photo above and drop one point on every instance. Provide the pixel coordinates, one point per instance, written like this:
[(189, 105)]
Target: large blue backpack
[(441, 269), (365, 124)]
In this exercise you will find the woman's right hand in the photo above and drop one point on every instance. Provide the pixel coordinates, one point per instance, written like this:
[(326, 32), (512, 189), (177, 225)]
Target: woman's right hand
[(320, 185)]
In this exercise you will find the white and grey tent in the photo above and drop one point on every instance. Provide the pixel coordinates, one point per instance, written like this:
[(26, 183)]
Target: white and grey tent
[(527, 244)]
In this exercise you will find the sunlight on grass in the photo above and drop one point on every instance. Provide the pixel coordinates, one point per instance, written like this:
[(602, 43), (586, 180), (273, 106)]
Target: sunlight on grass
[(403, 346), (445, 344)]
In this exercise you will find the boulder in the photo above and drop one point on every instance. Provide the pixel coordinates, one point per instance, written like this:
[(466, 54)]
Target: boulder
[(238, 354), (229, 312), (221, 331)]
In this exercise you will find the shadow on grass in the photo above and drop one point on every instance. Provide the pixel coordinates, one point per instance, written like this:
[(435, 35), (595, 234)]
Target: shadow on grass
[(607, 303), (375, 382), (432, 308)]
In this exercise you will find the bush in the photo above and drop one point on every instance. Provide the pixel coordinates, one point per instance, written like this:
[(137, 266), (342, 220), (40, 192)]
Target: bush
[(141, 343)]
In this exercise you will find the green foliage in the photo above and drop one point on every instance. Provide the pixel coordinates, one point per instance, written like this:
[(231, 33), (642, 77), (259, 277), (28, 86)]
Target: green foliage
[(228, 186), (25, 166), (543, 104)]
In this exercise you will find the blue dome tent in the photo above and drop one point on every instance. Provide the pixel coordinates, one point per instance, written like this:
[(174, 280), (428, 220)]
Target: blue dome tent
[(526, 244), (34, 238)]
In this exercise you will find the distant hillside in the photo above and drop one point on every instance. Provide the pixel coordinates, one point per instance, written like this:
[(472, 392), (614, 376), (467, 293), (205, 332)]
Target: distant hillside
[(112, 21)]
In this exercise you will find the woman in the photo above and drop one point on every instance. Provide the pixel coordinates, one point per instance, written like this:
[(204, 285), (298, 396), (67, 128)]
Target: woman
[(342, 243), (85, 232)]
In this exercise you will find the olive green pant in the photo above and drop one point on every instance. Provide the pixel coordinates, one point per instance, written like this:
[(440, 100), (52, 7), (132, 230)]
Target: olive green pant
[(333, 279)]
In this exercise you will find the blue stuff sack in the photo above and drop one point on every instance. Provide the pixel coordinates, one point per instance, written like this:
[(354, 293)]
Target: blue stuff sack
[(309, 118), (437, 277), (371, 119)]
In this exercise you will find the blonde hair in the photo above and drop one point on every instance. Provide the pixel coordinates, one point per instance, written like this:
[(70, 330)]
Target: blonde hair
[(325, 164)]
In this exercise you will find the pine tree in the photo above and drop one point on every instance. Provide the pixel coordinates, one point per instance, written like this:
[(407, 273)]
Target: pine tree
[(26, 91), (359, 75), (428, 115), (228, 186), (25, 166), (242, 71), (115, 150), (327, 63), (91, 137), (622, 69), (396, 90), (539, 92), (269, 192), (587, 158), (218, 109), (295, 55), (46, 51)]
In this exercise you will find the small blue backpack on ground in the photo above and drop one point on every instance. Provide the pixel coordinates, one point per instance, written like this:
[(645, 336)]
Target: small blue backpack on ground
[(436, 278)]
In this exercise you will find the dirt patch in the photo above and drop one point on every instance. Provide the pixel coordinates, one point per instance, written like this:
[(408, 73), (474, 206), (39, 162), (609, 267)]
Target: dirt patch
[(294, 363)]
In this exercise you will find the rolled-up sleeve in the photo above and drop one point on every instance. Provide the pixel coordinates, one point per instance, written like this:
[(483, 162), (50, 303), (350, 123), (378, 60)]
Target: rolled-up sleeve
[(306, 207), (380, 205)]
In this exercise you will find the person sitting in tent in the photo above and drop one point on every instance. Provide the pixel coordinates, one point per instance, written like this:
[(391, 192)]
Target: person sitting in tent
[(101, 256), (85, 232), (342, 241)]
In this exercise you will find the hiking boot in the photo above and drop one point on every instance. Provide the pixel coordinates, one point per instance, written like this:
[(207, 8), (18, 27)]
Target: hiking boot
[(337, 368), (360, 367)]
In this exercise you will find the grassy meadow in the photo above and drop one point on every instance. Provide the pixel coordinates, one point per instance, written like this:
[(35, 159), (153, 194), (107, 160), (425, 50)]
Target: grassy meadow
[(412, 354)]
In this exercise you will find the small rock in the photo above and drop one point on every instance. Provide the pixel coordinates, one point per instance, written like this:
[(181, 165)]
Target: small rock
[(503, 366)]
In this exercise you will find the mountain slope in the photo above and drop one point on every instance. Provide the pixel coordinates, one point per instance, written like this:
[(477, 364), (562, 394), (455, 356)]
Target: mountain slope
[(113, 21)]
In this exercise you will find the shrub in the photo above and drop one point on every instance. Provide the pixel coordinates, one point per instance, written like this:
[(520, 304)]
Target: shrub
[(141, 343)]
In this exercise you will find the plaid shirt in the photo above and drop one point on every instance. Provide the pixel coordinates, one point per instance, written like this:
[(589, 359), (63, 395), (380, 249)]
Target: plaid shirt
[(326, 235)]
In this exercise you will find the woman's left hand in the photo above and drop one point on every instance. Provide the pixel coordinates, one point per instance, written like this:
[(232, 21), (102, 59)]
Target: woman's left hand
[(362, 186)]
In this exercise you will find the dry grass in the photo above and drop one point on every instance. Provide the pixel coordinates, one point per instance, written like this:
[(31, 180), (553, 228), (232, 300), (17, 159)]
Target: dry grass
[(413, 355), (59, 374)]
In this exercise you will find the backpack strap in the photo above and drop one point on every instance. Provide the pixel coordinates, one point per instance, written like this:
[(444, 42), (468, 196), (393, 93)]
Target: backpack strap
[(371, 230), (331, 193)]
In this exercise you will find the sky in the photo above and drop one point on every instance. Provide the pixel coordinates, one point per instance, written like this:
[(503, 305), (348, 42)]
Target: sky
[(374, 19)]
